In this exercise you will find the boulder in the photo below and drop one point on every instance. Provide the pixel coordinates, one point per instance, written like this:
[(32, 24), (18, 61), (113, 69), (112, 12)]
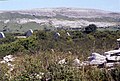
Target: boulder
[(68, 34), (76, 62), (96, 59), (62, 61), (29, 32), (2, 35)]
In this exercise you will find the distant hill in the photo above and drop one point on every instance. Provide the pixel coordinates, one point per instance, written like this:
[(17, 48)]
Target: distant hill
[(70, 17)]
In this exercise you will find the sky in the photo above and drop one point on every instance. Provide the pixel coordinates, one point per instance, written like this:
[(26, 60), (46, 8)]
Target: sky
[(108, 5)]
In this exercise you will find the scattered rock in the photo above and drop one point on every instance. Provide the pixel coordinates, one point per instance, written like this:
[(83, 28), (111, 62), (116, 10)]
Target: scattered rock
[(2, 35), (76, 62), (63, 61)]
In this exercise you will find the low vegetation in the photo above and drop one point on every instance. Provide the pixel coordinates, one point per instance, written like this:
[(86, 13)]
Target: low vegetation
[(38, 56)]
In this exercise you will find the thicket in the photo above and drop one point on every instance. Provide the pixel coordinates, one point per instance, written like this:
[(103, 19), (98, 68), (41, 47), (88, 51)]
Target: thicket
[(78, 43), (41, 52), (44, 67)]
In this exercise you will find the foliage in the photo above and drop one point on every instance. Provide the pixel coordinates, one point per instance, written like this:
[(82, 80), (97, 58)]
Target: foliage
[(43, 66), (41, 52), (8, 39), (90, 28), (98, 41)]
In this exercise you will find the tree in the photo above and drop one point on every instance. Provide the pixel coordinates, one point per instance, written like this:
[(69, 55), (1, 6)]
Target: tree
[(90, 28)]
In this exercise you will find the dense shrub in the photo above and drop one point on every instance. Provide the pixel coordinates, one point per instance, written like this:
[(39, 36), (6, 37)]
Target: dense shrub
[(40, 67), (90, 28), (77, 43)]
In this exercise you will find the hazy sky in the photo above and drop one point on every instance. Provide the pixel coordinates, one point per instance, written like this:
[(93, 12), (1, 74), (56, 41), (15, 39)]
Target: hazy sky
[(109, 5)]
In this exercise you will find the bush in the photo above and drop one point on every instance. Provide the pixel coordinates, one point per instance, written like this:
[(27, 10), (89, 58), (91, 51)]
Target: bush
[(90, 28)]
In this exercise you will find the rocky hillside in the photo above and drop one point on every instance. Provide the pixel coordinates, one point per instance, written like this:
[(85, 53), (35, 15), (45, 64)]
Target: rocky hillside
[(65, 17), (69, 12)]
